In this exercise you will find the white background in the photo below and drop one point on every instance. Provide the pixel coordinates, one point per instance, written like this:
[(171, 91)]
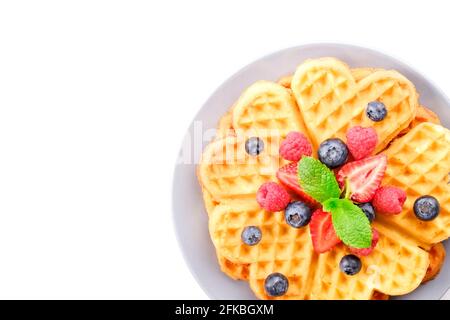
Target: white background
[(95, 97)]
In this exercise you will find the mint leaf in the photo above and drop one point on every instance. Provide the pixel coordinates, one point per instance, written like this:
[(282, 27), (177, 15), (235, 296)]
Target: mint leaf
[(317, 180), (350, 223)]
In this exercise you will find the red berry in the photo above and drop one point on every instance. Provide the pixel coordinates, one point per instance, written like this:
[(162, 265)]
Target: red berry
[(364, 177), (361, 141), (272, 197), (389, 200), (367, 251), (323, 236), (288, 177), (295, 146)]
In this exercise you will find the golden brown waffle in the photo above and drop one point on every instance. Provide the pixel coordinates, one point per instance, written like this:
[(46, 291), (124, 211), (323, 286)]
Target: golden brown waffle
[(284, 248), (419, 163), (226, 225), (396, 266), (236, 271), (209, 202), (437, 258), (227, 171), (425, 115), (358, 74), (285, 81), (379, 296), (331, 101), (266, 109)]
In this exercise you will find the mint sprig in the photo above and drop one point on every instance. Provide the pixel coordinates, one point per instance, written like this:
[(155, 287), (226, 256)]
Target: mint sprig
[(317, 180), (349, 221)]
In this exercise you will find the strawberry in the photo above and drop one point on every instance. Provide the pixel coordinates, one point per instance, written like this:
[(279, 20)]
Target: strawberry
[(323, 236), (289, 178), (363, 176), (367, 251)]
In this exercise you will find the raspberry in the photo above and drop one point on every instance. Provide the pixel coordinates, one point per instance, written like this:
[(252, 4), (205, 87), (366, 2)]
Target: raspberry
[(389, 200), (361, 141), (367, 251), (295, 146), (272, 197)]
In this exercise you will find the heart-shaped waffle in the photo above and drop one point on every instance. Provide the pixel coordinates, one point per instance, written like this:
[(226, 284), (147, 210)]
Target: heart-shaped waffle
[(419, 163), (331, 101), (236, 271), (266, 109), (226, 171)]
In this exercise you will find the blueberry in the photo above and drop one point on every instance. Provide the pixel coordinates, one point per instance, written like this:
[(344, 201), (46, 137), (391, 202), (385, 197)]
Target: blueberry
[(376, 111), (368, 209), (350, 265), (276, 285), (333, 153), (251, 235), (426, 208), (297, 214), (254, 146)]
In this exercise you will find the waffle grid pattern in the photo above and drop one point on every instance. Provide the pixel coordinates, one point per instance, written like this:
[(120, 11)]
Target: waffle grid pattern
[(331, 101), (397, 265), (227, 171), (393, 268), (280, 241), (267, 109), (419, 163), (236, 271), (282, 248)]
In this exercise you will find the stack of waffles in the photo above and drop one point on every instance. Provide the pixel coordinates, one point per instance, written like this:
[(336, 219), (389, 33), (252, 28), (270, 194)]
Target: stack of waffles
[(322, 100)]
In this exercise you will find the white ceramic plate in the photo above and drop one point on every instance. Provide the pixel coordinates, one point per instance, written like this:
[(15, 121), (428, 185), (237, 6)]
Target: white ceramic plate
[(190, 218)]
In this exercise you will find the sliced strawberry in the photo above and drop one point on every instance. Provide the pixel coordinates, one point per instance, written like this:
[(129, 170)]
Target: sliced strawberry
[(364, 177), (323, 236), (288, 177), (367, 251)]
